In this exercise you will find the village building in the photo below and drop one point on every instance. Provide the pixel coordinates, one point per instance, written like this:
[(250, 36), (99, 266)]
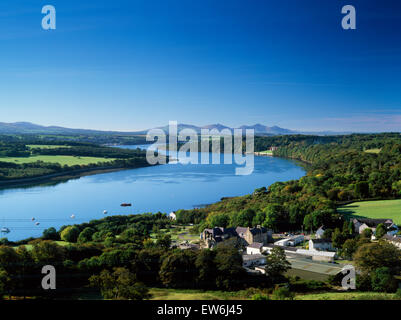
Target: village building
[(395, 240), (172, 215), (211, 237), (320, 244), (252, 260), (325, 256), (361, 224), (254, 248), (291, 241)]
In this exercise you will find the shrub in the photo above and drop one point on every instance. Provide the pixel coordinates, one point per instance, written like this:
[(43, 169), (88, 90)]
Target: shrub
[(260, 296), (283, 293), (70, 234)]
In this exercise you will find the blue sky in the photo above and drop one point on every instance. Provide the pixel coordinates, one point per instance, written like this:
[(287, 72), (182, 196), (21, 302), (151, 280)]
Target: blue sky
[(128, 65)]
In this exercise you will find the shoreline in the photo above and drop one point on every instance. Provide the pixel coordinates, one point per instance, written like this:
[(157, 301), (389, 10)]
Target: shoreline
[(59, 177)]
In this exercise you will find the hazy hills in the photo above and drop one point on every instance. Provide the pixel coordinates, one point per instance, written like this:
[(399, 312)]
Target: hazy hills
[(30, 128)]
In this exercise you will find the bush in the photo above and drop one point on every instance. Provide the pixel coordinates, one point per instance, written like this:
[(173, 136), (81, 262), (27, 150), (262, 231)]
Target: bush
[(308, 285), (283, 293), (383, 280), (260, 296), (86, 235), (50, 234), (70, 234)]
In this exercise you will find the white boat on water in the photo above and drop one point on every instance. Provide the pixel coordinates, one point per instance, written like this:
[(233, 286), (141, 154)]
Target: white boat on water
[(5, 230)]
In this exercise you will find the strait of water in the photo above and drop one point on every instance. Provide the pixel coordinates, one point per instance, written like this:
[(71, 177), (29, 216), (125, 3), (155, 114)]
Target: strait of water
[(163, 188)]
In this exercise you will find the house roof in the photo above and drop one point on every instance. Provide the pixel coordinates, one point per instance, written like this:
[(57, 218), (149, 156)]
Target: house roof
[(256, 245), (282, 247), (392, 238), (259, 230), (321, 240), (374, 222), (240, 230)]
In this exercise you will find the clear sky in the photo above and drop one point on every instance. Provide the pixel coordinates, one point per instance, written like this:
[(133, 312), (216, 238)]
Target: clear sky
[(128, 65)]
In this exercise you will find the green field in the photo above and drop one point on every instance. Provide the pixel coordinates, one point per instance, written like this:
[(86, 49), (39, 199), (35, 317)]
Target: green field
[(269, 152), (381, 209), (62, 160), (45, 146), (177, 294), (348, 296), (187, 294)]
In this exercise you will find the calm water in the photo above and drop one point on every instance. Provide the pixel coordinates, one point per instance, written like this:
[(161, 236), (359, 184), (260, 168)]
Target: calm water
[(162, 188)]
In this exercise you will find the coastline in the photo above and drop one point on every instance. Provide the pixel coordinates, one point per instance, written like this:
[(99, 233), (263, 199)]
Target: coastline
[(60, 176)]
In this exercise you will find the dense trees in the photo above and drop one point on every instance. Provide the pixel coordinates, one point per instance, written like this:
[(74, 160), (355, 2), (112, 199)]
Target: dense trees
[(379, 262), (120, 285)]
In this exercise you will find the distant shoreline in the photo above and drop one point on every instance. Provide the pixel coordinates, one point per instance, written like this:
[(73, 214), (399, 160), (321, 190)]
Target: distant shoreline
[(60, 176)]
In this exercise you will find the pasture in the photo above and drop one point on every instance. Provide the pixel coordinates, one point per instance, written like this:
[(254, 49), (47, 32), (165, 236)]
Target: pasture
[(62, 160), (379, 209)]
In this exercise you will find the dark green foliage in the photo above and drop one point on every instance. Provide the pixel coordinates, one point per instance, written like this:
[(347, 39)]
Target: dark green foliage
[(383, 280), (276, 263)]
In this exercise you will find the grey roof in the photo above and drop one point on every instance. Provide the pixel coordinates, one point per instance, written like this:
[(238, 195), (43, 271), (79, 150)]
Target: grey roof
[(240, 230), (282, 247), (392, 238), (258, 230), (256, 245), (321, 240), (374, 222)]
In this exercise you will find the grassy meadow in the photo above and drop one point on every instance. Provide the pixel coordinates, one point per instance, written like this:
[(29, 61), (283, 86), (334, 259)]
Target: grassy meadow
[(381, 209), (62, 160)]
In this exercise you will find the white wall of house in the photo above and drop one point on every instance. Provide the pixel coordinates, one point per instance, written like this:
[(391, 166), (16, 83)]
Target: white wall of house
[(250, 250), (254, 262)]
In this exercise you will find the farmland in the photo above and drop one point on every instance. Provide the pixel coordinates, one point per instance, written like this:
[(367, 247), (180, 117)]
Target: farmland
[(62, 160), (390, 209)]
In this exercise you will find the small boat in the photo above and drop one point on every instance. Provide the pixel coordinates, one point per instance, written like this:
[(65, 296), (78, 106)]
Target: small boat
[(33, 219), (5, 230), (105, 212), (72, 216), (126, 204), (37, 223)]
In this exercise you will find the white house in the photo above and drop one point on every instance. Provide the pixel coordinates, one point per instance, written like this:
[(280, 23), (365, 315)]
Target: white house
[(318, 255), (172, 215), (319, 233), (290, 242), (361, 224), (320, 244), (254, 248), (250, 260)]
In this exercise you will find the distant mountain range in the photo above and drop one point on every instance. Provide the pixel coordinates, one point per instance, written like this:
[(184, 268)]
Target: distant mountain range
[(30, 128), (260, 129)]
